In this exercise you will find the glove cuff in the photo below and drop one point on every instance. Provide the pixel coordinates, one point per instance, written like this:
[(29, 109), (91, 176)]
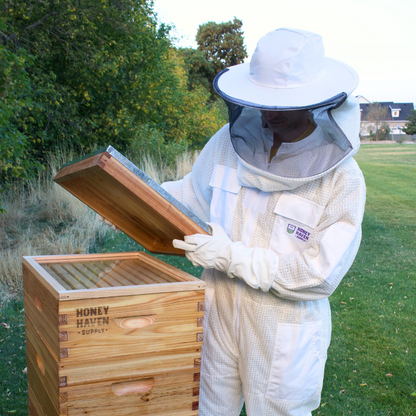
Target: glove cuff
[(256, 266), (223, 258)]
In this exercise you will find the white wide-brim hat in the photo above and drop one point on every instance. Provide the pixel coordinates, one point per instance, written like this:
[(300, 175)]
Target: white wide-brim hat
[(288, 70)]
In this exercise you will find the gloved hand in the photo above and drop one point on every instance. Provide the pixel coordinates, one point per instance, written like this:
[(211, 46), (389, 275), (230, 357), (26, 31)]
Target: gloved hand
[(106, 222), (208, 251), (255, 266)]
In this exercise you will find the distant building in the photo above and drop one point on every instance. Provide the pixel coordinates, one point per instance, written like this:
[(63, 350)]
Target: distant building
[(396, 115), (363, 100)]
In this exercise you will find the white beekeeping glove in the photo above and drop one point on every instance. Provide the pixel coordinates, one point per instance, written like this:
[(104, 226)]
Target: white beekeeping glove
[(208, 251), (106, 222), (256, 266)]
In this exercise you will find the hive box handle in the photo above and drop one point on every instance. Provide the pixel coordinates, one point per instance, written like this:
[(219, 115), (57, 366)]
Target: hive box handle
[(133, 387), (38, 304), (40, 364), (134, 322)]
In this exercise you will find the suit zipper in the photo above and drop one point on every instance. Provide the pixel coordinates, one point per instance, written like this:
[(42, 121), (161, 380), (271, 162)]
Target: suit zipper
[(237, 316), (246, 241)]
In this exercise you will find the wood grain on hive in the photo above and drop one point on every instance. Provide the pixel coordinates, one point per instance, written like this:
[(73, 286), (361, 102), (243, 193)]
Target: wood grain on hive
[(123, 194), (117, 333)]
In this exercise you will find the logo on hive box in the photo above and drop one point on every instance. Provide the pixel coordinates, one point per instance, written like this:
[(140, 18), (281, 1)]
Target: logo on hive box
[(93, 320)]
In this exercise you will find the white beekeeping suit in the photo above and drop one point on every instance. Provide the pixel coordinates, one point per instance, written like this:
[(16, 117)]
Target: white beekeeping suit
[(285, 230)]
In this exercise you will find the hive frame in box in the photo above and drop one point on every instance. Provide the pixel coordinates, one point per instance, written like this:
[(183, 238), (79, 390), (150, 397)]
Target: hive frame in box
[(156, 361), (61, 293)]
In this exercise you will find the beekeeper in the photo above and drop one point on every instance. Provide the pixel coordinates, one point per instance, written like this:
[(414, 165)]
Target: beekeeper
[(285, 200)]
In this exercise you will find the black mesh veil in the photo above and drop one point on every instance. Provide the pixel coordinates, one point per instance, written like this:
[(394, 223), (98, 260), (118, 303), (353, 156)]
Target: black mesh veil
[(308, 158)]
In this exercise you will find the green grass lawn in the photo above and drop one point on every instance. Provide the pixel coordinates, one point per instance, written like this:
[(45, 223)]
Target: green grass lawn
[(371, 367)]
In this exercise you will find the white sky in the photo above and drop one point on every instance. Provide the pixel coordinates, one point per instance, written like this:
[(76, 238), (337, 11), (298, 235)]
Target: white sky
[(376, 37)]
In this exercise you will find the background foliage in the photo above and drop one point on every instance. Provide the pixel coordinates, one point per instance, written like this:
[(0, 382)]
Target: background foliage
[(376, 115), (222, 45), (410, 127), (83, 74)]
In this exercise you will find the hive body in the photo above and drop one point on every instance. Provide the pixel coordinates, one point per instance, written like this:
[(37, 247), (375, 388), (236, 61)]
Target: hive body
[(108, 334)]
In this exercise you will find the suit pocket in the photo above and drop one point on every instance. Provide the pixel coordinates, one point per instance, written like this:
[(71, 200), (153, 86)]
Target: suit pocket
[(297, 370), (225, 190), (296, 217)]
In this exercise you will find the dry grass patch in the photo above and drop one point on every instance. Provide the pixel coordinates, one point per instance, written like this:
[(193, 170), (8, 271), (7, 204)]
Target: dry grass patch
[(44, 219), (161, 172), (40, 219)]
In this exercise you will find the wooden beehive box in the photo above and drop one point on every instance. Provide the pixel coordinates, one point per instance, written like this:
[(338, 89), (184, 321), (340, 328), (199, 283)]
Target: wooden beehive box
[(119, 333)]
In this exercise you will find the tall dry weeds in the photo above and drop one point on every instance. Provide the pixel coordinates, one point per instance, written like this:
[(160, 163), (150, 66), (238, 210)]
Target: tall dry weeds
[(161, 172), (44, 219), (184, 164)]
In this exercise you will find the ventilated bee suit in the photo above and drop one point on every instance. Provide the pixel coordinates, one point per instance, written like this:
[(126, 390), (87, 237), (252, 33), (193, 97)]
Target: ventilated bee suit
[(285, 231)]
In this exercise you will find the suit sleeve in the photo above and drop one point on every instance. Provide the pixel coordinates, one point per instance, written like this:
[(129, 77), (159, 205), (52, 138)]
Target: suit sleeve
[(316, 272)]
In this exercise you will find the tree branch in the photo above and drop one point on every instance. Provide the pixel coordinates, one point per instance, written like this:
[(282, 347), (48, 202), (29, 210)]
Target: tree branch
[(39, 22)]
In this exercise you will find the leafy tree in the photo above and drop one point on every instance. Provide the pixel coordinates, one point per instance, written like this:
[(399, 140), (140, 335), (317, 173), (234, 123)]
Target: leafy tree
[(222, 44), (97, 63), (200, 71), (384, 131), (376, 115), (410, 126), (14, 160), (90, 73)]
